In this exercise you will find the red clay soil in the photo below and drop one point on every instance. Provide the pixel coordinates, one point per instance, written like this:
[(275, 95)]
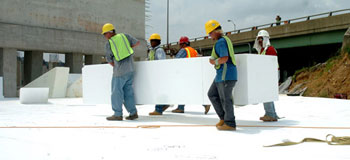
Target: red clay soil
[(327, 79)]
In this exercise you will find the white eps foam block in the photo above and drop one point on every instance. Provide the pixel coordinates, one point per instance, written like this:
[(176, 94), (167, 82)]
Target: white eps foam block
[(186, 81), (97, 83), (34, 95), (55, 79), (1, 88)]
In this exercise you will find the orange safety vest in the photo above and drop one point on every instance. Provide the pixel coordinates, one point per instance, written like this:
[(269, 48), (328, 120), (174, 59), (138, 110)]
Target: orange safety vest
[(191, 52)]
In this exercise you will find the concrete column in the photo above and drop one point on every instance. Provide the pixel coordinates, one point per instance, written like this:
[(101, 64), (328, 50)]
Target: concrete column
[(93, 59), (33, 65), (8, 70), (74, 61), (346, 41)]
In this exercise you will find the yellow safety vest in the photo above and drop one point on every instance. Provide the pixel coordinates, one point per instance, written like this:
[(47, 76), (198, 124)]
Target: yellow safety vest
[(120, 47), (230, 50)]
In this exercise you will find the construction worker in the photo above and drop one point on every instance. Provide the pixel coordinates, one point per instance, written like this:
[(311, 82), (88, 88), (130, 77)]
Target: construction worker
[(119, 54), (220, 92), (156, 53), (187, 51), (263, 46)]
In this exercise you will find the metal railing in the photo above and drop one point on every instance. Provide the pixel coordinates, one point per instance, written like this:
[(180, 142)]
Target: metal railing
[(273, 24)]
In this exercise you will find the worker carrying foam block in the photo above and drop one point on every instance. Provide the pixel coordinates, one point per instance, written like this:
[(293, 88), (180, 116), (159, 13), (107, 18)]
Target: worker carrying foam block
[(119, 54), (156, 52), (264, 47), (187, 51), (220, 92)]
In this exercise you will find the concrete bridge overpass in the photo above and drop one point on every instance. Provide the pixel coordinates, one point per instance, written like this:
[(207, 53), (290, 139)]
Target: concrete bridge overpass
[(300, 42)]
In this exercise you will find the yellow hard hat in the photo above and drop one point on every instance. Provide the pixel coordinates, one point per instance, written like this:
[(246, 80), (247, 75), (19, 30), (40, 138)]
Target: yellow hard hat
[(107, 27), (211, 25), (154, 36)]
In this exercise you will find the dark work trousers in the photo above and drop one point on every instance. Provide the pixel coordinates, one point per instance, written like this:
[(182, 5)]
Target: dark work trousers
[(220, 95)]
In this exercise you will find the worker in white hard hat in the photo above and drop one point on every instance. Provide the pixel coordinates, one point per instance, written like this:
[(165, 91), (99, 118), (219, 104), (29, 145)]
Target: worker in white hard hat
[(263, 46), (220, 92), (119, 54), (156, 52)]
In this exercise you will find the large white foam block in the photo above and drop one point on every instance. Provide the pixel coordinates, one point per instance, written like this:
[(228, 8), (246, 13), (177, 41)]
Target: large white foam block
[(56, 80), (186, 81), (1, 88), (97, 83), (34, 95)]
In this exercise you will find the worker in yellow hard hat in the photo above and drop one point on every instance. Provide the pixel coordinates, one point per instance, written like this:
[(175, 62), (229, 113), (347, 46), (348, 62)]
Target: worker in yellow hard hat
[(156, 52), (119, 54), (223, 60)]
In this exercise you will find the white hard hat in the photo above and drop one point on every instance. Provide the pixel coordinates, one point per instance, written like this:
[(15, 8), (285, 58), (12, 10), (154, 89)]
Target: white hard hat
[(263, 33)]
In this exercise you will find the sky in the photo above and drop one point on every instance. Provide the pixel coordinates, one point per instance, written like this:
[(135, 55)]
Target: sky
[(187, 17)]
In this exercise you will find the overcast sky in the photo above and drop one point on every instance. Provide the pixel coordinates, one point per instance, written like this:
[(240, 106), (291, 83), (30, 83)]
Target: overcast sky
[(187, 17)]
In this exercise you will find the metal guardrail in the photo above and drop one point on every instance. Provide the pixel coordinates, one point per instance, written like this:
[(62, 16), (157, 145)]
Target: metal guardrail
[(301, 19)]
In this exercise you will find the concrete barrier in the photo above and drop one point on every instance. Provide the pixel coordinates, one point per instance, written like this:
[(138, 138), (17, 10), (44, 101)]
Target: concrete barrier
[(56, 80), (34, 95), (186, 81)]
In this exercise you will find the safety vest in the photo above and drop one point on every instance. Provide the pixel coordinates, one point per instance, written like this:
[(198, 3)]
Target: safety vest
[(230, 50), (190, 52), (120, 47), (151, 55)]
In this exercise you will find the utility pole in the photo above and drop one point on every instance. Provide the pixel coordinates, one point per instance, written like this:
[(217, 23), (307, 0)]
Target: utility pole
[(234, 25), (167, 25)]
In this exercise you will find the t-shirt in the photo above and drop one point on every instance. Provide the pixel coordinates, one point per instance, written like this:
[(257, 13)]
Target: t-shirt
[(124, 66), (221, 50), (181, 54)]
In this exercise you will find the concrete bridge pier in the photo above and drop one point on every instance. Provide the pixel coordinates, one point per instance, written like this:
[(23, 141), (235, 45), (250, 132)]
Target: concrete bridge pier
[(8, 70), (74, 61), (33, 65), (92, 59)]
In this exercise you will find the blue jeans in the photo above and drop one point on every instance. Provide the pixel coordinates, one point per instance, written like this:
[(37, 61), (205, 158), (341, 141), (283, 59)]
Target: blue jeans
[(270, 109), (122, 92), (160, 107), (220, 95)]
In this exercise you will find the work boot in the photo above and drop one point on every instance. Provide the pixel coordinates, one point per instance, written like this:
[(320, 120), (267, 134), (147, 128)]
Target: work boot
[(115, 118), (220, 123), (155, 113), (132, 117), (267, 118), (206, 109), (178, 111), (226, 128)]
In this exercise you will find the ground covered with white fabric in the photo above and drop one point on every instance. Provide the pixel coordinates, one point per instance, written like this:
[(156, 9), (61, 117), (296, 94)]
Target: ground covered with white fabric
[(68, 129)]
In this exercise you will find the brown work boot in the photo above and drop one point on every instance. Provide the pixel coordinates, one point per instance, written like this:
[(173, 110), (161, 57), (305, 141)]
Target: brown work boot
[(132, 117), (206, 109), (220, 123), (226, 128), (155, 113), (178, 111), (267, 118), (115, 118)]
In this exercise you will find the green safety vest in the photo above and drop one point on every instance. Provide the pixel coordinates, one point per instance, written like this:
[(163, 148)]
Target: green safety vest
[(230, 50), (151, 55), (120, 47)]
